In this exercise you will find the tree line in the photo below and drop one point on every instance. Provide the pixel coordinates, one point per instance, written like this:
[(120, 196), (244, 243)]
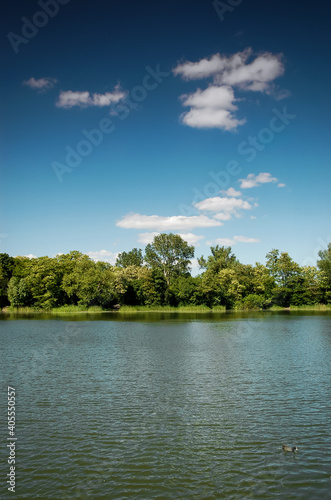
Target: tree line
[(161, 276)]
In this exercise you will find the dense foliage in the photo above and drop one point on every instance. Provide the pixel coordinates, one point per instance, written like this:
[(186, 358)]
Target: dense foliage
[(162, 277)]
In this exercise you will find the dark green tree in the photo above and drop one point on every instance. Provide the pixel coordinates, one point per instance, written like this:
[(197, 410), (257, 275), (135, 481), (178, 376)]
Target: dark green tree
[(6, 270)]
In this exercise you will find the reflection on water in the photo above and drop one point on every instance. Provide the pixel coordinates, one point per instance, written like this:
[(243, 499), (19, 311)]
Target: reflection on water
[(170, 406)]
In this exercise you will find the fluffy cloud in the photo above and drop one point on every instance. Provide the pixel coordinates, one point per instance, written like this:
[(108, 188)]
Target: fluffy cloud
[(253, 180), (232, 241), (255, 75), (104, 256), (223, 216), (191, 239), (211, 108), (214, 107), (281, 185), (145, 238), (231, 192), (201, 69), (69, 99), (236, 70), (159, 223), (41, 85), (219, 204)]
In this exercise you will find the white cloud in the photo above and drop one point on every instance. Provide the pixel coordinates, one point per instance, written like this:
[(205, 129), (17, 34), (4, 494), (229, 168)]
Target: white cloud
[(253, 180), (104, 256), (31, 256), (159, 223), (223, 216), (69, 99), (211, 108), (201, 69), (281, 185), (255, 75), (236, 70), (231, 192), (41, 84), (146, 238), (191, 239), (212, 97), (195, 267), (214, 107), (232, 241), (219, 204), (244, 239), (253, 217), (224, 242)]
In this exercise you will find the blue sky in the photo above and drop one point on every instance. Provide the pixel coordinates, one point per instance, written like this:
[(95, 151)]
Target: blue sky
[(121, 120)]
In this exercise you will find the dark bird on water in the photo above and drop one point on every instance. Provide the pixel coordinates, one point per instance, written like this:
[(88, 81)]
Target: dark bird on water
[(289, 448)]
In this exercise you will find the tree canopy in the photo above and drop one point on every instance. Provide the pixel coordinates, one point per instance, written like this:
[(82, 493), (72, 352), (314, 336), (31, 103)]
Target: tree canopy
[(161, 276), (170, 254), (132, 258)]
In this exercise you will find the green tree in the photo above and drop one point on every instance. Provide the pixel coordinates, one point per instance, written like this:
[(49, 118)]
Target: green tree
[(309, 287), (209, 290), (170, 254), (285, 273), (19, 293), (324, 264), (220, 258), (93, 283), (132, 258), (6, 270)]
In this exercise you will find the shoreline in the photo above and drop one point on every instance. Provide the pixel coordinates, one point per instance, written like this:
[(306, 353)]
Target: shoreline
[(166, 309)]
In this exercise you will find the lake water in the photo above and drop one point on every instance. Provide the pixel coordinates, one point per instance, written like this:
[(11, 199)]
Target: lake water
[(169, 406)]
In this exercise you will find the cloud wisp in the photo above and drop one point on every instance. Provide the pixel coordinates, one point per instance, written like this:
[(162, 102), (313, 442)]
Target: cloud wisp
[(40, 84), (253, 180), (104, 256), (215, 106), (172, 223), (68, 99), (232, 241), (218, 204)]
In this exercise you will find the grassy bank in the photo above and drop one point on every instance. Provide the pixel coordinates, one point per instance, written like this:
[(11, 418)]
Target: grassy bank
[(123, 309), (316, 307), (135, 309), (128, 309)]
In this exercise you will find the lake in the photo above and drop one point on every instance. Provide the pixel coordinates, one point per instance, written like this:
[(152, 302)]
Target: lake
[(168, 406)]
